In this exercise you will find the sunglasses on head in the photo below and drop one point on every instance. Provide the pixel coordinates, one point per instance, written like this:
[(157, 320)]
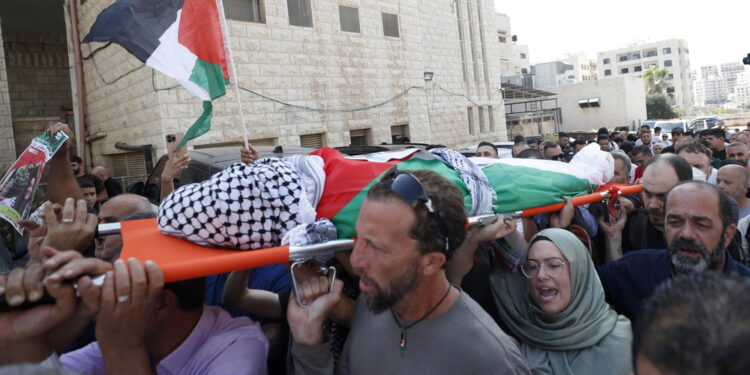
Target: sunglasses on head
[(410, 190)]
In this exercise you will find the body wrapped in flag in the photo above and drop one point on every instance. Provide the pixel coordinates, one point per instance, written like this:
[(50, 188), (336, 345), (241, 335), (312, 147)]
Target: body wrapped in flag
[(249, 205)]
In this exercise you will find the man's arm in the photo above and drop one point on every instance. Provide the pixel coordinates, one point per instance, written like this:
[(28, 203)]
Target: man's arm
[(257, 302), (61, 183)]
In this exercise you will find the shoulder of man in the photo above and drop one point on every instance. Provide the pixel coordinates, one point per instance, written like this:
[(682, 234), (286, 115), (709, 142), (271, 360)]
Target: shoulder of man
[(491, 348)]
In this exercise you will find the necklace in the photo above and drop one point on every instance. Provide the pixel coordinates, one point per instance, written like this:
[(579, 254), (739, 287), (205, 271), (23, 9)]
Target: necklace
[(402, 341)]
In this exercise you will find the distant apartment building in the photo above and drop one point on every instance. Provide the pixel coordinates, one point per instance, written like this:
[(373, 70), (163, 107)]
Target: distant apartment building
[(724, 85), (740, 96), (672, 55), (573, 69), (514, 57)]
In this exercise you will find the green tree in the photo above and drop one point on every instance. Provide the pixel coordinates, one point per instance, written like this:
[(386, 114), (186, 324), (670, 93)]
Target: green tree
[(657, 106), (657, 80)]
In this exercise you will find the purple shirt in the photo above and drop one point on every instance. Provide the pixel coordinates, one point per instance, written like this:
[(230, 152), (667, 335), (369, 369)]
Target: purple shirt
[(219, 344)]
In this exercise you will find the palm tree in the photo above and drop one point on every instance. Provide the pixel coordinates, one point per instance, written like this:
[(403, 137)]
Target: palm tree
[(657, 80)]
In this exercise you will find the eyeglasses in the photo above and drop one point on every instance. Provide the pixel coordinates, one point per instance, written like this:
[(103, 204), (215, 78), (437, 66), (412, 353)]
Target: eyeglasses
[(553, 267), (409, 189), (557, 157)]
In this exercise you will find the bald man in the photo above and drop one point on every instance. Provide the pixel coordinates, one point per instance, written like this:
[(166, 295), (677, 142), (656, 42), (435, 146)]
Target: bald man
[(113, 187), (732, 179), (115, 210)]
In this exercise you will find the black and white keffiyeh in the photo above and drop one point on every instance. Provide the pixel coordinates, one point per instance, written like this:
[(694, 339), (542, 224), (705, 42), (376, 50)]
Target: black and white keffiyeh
[(479, 185), (241, 207)]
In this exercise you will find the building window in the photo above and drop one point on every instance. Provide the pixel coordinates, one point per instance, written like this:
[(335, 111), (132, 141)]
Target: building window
[(624, 71), (605, 61), (670, 75), (667, 62), (502, 38), (360, 137), (245, 10), (523, 55), (650, 53), (300, 13), (312, 140), (635, 56), (349, 19), (608, 72), (400, 134), (524, 71), (670, 90), (470, 115), (637, 68), (666, 50), (622, 58), (390, 25)]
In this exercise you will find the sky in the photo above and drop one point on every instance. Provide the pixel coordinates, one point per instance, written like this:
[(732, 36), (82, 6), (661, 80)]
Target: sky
[(717, 31)]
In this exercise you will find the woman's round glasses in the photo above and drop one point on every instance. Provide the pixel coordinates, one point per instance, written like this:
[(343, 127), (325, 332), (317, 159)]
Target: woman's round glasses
[(552, 267)]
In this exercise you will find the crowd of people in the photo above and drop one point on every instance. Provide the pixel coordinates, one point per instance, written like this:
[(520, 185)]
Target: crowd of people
[(658, 287)]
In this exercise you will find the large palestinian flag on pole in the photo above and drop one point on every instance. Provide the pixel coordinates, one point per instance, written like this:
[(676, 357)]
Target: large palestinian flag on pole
[(184, 39)]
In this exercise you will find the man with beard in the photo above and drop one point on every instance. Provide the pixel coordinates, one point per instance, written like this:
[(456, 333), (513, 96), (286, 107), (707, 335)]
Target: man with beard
[(644, 227), (408, 319), (697, 227)]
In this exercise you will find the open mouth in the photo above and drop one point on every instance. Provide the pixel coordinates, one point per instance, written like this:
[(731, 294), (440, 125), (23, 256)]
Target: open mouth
[(547, 294)]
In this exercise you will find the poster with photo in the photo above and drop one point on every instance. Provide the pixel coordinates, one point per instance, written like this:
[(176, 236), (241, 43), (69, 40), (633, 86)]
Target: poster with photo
[(18, 186)]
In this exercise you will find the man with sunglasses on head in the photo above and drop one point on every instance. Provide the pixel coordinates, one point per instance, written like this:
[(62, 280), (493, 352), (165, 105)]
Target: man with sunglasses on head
[(408, 319)]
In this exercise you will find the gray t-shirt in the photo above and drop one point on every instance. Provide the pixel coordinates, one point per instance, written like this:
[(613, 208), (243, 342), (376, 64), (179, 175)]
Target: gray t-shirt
[(464, 340)]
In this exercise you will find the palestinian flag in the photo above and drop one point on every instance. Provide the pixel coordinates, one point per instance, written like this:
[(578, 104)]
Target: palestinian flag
[(518, 183), (184, 39)]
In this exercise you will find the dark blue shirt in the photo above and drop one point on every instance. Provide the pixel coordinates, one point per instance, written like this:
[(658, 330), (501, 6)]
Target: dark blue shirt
[(632, 279), (274, 278)]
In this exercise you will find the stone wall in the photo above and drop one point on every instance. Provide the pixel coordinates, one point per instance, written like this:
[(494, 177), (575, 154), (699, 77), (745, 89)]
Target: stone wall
[(321, 68), (7, 146), (38, 82)]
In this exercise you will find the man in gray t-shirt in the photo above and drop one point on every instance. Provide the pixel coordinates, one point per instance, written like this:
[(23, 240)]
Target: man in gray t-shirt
[(409, 319)]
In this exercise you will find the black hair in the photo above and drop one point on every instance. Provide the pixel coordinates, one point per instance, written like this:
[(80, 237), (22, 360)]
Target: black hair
[(602, 130), (76, 159), (627, 146), (530, 153), (716, 132), (601, 137), (681, 167), (85, 183), (632, 138), (562, 135), (657, 129), (485, 143), (645, 126), (642, 150), (191, 294), (696, 323), (518, 139), (548, 145)]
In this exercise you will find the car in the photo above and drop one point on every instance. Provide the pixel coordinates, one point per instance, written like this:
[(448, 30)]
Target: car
[(205, 162), (705, 122), (667, 126)]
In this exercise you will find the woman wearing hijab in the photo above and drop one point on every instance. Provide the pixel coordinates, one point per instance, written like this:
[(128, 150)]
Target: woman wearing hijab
[(556, 308)]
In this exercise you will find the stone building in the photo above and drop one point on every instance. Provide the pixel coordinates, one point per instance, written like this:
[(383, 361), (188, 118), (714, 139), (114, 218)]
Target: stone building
[(359, 67)]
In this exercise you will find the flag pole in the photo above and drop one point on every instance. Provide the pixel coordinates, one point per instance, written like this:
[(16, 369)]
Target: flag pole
[(233, 70)]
